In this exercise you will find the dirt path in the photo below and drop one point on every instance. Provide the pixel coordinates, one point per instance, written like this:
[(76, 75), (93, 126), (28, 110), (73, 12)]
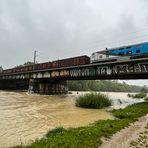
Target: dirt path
[(134, 136)]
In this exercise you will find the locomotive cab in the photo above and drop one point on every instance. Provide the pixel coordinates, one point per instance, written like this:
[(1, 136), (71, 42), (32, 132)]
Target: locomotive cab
[(98, 57)]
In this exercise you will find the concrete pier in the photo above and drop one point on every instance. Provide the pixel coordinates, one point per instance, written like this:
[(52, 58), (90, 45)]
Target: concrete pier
[(44, 86)]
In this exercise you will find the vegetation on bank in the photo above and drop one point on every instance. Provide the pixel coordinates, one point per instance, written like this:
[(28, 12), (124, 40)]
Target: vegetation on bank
[(142, 94), (93, 100), (139, 95), (102, 85), (146, 99), (90, 136)]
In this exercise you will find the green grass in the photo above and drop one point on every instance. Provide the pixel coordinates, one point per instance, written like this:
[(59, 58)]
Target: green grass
[(139, 95), (93, 100), (132, 111), (90, 136)]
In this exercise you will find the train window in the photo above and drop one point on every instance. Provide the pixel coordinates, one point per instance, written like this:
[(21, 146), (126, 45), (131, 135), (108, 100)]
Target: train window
[(138, 51), (121, 48)]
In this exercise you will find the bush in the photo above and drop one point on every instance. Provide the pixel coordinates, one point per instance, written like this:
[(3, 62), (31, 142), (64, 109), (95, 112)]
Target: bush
[(93, 100), (146, 99)]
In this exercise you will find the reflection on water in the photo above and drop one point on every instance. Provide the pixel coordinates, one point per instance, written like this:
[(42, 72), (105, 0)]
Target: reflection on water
[(24, 117)]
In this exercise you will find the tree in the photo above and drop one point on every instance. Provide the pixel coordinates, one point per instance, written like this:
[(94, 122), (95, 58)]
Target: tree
[(103, 85), (25, 64)]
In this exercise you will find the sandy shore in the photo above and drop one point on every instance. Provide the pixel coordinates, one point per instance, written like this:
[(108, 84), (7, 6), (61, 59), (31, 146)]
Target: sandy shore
[(136, 135)]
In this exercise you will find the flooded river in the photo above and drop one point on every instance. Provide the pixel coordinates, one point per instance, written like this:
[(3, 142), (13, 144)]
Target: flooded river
[(24, 118)]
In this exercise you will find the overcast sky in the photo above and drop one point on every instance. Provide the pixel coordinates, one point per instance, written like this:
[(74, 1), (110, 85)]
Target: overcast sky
[(65, 28)]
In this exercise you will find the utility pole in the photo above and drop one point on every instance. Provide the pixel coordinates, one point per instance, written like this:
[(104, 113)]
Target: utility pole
[(35, 56)]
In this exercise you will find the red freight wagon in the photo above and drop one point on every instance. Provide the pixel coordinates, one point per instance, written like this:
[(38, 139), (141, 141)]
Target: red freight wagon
[(81, 60), (21, 69), (43, 66), (30, 68)]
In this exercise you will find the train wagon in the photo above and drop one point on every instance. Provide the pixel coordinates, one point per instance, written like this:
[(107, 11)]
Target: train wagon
[(42, 66), (74, 61), (20, 69)]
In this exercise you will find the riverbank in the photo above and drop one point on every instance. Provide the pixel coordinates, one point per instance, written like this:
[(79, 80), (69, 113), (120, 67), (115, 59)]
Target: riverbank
[(136, 135), (90, 136)]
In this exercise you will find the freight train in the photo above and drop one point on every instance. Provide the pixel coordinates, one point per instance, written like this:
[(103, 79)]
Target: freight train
[(123, 53), (74, 61)]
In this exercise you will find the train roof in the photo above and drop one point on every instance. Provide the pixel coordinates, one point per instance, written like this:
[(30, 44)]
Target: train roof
[(114, 48), (127, 46), (71, 58)]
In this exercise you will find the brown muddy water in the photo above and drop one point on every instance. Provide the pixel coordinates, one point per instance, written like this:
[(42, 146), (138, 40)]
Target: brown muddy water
[(24, 118)]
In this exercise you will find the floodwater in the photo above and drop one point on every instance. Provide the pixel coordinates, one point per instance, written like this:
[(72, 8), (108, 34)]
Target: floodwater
[(24, 117)]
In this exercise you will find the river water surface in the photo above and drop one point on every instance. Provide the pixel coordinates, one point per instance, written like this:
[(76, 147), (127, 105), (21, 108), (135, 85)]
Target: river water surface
[(24, 118)]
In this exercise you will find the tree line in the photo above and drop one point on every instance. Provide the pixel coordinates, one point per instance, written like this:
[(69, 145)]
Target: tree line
[(102, 85)]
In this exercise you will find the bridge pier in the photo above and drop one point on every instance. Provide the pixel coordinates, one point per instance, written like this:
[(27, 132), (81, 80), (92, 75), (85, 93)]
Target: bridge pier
[(48, 87)]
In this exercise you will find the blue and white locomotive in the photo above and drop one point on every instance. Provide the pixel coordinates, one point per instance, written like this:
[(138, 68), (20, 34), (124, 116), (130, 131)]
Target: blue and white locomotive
[(137, 49), (121, 53)]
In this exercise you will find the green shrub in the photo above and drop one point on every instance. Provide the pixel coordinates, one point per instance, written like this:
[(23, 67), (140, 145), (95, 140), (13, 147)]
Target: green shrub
[(93, 100), (146, 99)]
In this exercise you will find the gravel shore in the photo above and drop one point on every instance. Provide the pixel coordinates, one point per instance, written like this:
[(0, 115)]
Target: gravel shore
[(134, 136)]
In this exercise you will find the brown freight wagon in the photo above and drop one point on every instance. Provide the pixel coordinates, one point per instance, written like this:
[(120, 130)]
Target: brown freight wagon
[(23, 69), (42, 66), (74, 61)]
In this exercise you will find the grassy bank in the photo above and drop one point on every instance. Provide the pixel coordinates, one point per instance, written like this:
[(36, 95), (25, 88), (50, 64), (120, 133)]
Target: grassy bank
[(93, 100), (90, 136)]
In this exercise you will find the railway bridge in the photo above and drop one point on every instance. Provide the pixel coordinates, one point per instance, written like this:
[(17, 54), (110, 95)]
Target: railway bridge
[(53, 81)]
